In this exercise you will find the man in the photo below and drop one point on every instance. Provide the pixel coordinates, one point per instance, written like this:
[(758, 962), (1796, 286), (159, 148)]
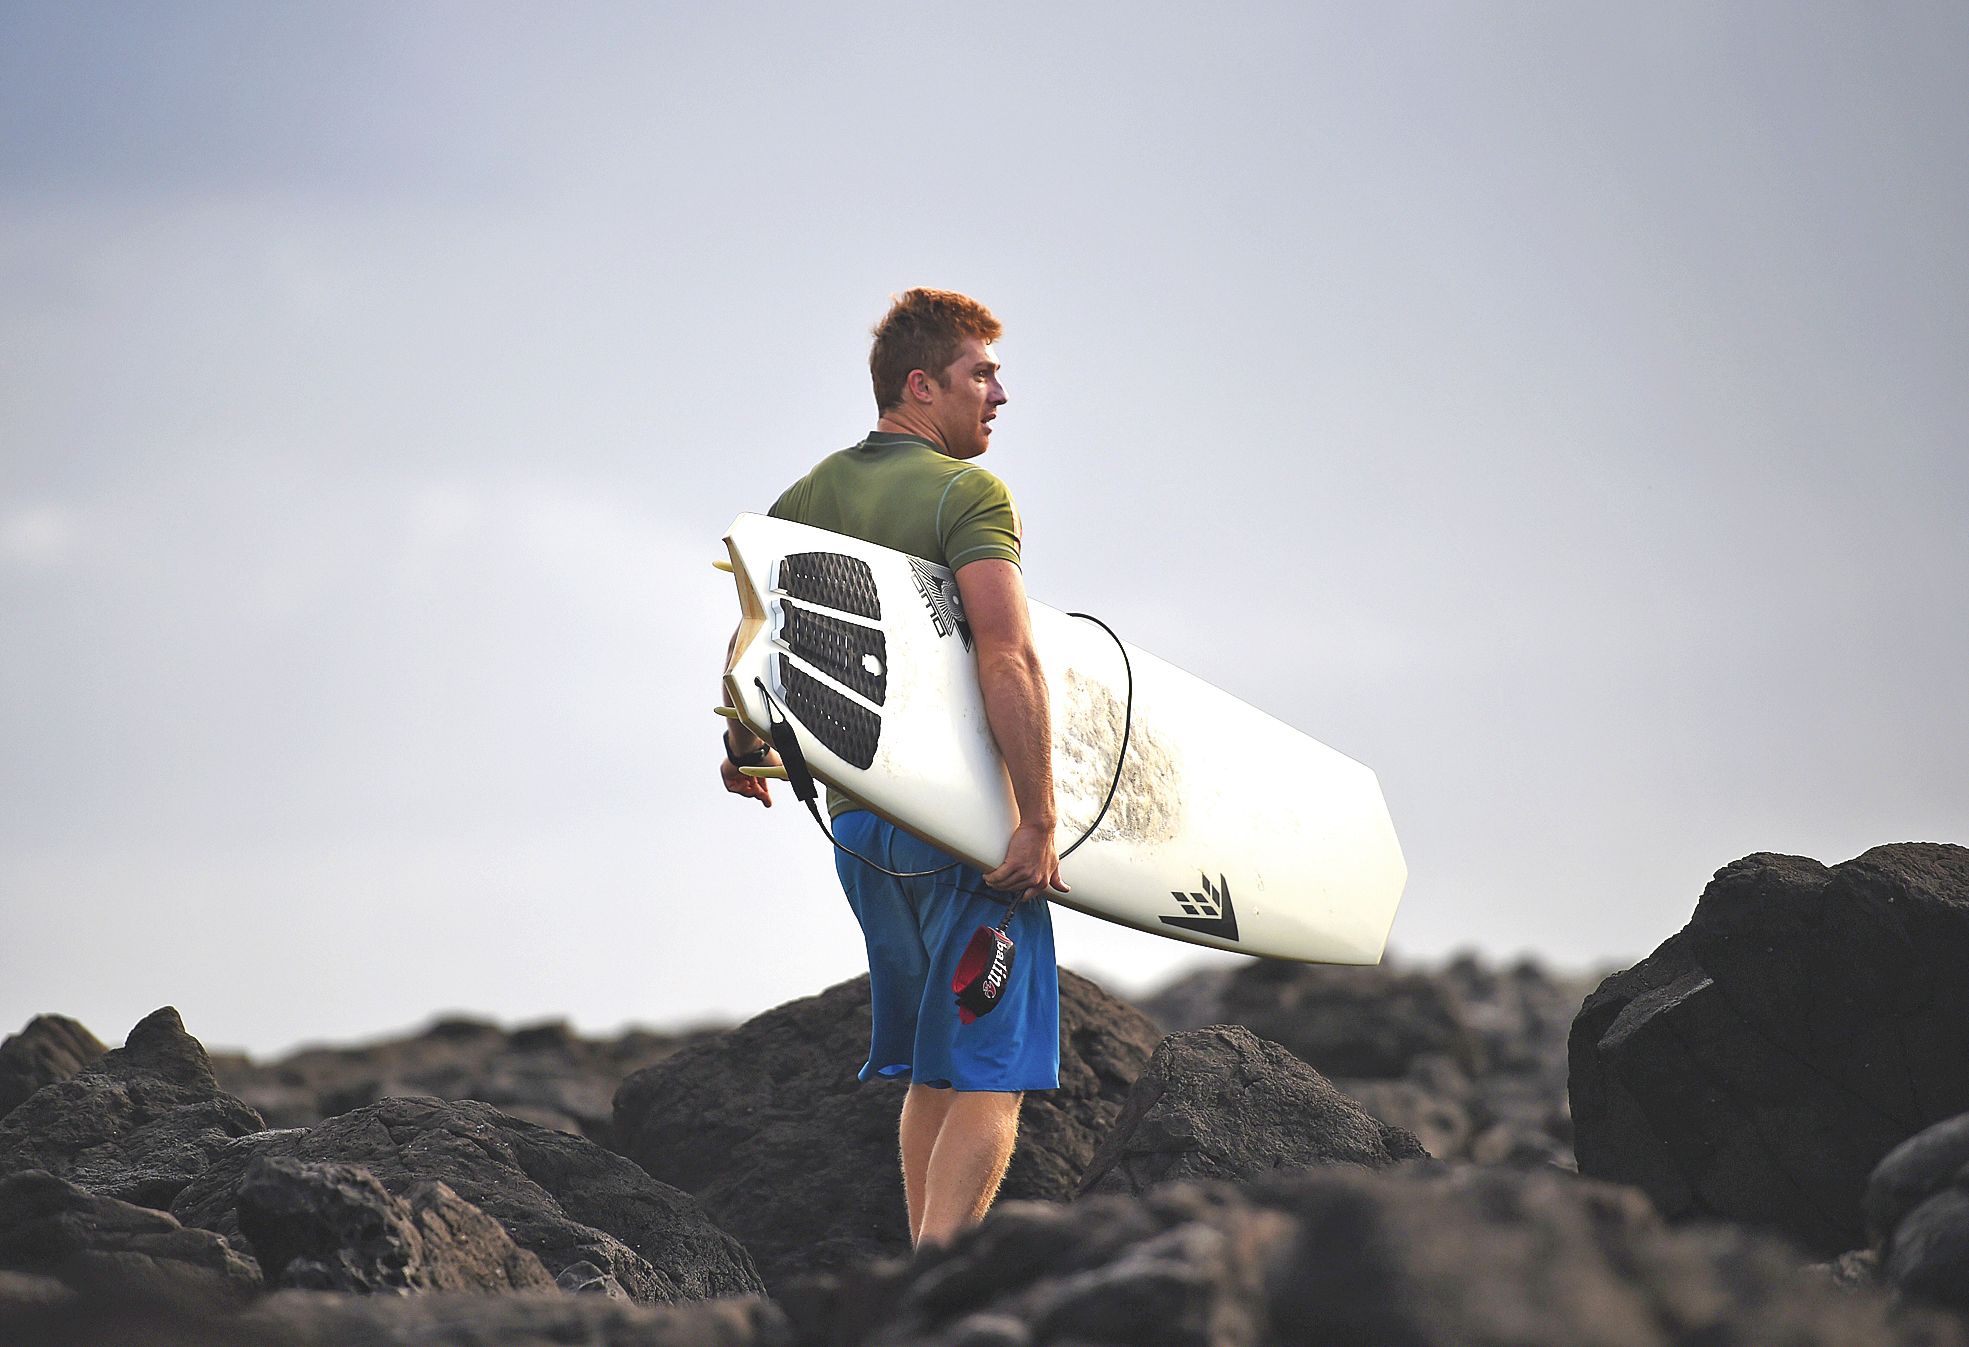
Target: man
[(911, 486)]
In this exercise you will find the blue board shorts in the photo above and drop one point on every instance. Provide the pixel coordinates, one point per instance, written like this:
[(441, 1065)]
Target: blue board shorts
[(916, 930)]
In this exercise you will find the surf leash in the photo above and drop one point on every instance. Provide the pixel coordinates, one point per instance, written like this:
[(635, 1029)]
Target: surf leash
[(786, 743), (1127, 729)]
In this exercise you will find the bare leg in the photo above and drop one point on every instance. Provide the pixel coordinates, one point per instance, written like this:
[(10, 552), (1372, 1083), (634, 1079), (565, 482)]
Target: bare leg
[(968, 1162), (923, 1112)]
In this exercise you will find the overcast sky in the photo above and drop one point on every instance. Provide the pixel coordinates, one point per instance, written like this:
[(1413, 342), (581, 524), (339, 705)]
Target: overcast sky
[(1557, 407)]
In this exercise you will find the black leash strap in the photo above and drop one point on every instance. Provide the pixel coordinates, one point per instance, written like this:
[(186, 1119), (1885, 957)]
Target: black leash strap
[(787, 744)]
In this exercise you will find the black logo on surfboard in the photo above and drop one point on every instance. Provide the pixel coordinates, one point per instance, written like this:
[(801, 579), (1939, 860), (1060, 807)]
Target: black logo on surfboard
[(1207, 913), (939, 590)]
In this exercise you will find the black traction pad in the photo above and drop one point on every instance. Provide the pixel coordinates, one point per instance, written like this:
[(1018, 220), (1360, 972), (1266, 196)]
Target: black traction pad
[(833, 581), (852, 655), (847, 727)]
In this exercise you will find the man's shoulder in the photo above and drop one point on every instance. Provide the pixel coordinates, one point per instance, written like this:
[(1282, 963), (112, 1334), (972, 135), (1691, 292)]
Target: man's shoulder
[(789, 502), (974, 485)]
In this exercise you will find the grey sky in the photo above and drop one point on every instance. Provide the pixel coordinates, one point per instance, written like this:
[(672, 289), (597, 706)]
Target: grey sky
[(1556, 407)]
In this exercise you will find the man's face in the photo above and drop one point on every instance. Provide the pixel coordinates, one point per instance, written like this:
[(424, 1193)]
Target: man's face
[(966, 398)]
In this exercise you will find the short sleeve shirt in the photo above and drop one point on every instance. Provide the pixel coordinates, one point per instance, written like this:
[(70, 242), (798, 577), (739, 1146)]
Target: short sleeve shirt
[(900, 491)]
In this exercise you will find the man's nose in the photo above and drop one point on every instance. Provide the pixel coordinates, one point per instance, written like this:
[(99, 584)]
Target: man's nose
[(997, 394)]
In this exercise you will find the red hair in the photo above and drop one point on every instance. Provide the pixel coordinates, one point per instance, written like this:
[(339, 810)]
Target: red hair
[(924, 329)]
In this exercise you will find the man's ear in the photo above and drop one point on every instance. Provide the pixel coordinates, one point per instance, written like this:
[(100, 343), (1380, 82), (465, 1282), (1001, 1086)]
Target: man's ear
[(917, 385)]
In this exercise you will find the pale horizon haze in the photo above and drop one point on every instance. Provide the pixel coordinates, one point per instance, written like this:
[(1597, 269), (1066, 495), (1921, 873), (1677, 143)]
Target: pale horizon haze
[(1557, 408)]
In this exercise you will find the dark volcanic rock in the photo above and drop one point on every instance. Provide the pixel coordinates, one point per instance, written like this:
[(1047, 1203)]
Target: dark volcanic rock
[(50, 1048), (560, 1196), (1470, 1058), (544, 1073), (24, 1291), (53, 1228), (318, 1319), (1521, 1015), (769, 1127), (1917, 1213), (1858, 1267), (1338, 1257), (333, 1227), (466, 1250), (585, 1279), (1353, 1023), (138, 1125), (1930, 1256), (1221, 1103), (1761, 1062), (1915, 1171)]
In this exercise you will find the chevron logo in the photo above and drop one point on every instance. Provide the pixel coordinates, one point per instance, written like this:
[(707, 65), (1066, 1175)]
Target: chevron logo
[(1206, 913)]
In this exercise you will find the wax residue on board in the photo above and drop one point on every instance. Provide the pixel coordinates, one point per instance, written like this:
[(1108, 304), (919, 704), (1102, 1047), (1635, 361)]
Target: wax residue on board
[(1147, 806)]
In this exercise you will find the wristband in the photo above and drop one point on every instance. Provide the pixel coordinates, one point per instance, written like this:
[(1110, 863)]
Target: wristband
[(755, 758)]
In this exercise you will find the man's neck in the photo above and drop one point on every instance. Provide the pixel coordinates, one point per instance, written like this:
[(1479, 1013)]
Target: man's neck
[(902, 422)]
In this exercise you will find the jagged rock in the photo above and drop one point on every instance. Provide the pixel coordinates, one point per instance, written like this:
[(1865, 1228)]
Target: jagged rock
[(768, 1125), (1438, 1104), (333, 1227), (1929, 1257), (466, 1250), (323, 1319), (1917, 1214), (1191, 1001), (544, 1073), (560, 1196), (1470, 1058), (138, 1124), (1522, 1016), (1353, 1023), (1221, 1103), (1913, 1172), (32, 1292), (585, 1279), (1856, 1267), (50, 1227), (1807, 1020), (50, 1048), (1479, 1258)]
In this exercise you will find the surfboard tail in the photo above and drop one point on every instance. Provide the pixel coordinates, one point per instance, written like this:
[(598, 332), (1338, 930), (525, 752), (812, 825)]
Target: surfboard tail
[(752, 624)]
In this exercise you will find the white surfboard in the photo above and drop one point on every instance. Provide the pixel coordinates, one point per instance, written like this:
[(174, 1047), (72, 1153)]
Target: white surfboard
[(866, 652)]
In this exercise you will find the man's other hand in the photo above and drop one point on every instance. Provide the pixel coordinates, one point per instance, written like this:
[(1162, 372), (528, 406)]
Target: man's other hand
[(754, 787), (1030, 867)]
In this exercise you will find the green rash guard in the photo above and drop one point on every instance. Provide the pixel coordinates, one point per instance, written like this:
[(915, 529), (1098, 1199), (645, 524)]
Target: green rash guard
[(902, 492)]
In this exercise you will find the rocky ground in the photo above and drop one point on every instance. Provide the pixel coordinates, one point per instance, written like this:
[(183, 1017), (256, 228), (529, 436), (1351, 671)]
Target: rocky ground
[(544, 1073), (1470, 1058), (1760, 1133)]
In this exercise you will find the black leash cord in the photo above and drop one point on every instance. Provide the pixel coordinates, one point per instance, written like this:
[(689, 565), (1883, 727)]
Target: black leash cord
[(1127, 729), (787, 745)]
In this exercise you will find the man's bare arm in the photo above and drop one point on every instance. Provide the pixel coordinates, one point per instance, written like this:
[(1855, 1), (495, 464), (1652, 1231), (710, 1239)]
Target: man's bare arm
[(1020, 716), (741, 740)]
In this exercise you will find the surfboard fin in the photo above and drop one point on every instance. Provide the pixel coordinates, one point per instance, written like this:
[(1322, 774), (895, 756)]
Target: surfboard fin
[(724, 566), (728, 712), (766, 773)]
